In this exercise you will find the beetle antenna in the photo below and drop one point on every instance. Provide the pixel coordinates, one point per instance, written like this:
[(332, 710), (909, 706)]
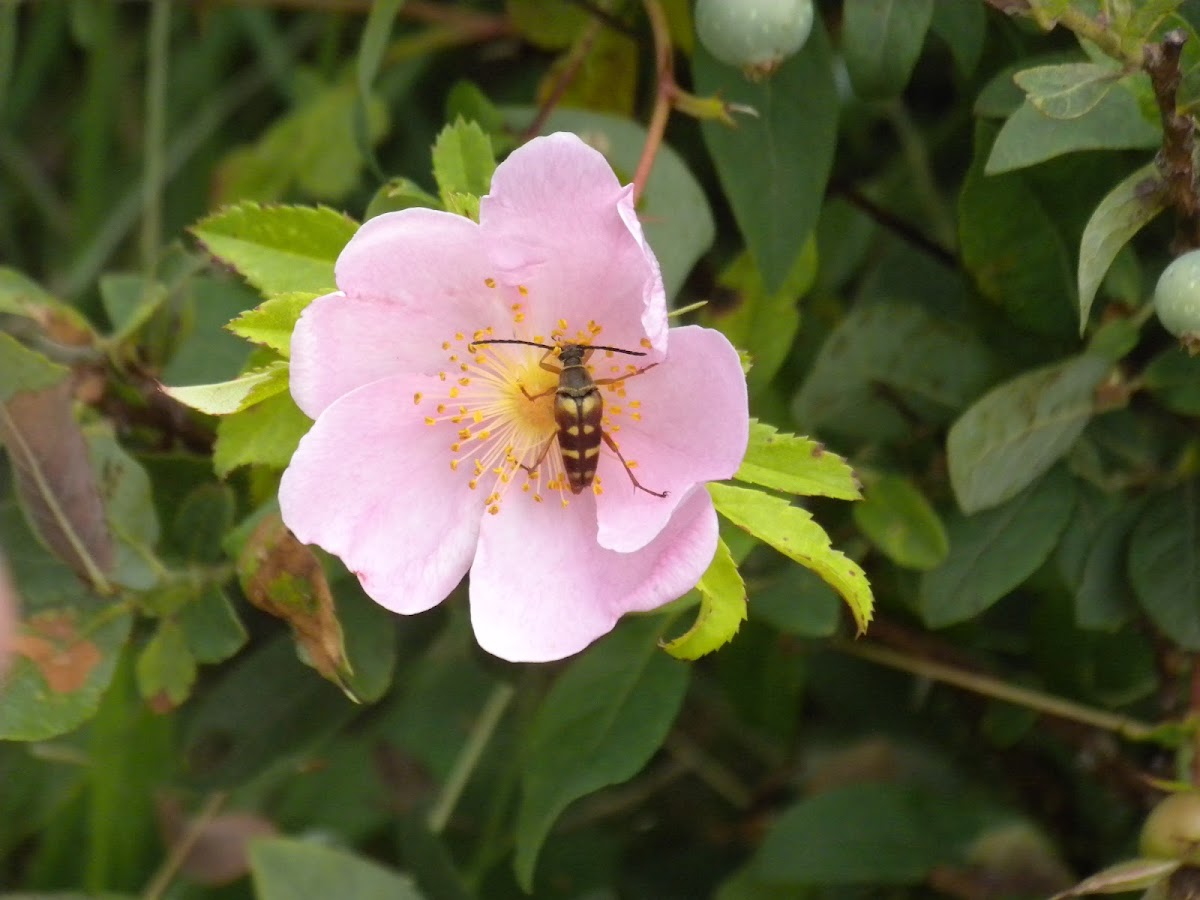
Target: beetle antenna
[(511, 341), (554, 346), (614, 350)]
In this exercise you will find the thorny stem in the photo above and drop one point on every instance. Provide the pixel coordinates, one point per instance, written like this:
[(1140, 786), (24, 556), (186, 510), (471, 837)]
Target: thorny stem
[(181, 848), (469, 756), (664, 60), (1175, 160), (997, 689), (1161, 62)]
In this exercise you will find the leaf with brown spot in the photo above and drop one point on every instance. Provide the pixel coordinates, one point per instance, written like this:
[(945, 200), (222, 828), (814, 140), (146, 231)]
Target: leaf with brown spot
[(283, 577), (63, 661), (56, 483), (64, 657)]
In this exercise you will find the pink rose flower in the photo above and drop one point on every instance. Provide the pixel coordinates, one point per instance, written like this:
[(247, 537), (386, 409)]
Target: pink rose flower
[(428, 457)]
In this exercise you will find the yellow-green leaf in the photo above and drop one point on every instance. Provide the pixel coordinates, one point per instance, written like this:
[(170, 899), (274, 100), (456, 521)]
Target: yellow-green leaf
[(796, 465), (234, 396), (792, 531), (722, 609), (271, 323)]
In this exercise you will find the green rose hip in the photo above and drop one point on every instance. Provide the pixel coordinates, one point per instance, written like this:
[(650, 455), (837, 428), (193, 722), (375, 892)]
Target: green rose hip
[(1177, 299), (754, 35)]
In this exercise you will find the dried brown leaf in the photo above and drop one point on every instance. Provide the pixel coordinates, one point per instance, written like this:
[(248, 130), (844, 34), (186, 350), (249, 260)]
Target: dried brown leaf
[(283, 577), (56, 482)]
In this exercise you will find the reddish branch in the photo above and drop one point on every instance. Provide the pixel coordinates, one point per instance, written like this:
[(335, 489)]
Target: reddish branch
[(1175, 159)]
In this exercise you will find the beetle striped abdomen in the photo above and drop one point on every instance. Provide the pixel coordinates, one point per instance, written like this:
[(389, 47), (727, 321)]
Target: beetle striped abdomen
[(577, 414)]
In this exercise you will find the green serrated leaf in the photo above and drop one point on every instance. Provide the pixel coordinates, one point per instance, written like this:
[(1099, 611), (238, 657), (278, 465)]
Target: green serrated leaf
[(166, 669), (22, 369), (1018, 430), (761, 323), (278, 249), (287, 869), (722, 609), (463, 162), (463, 205), (992, 552), (1164, 563), (237, 395), (792, 531), (1067, 91), (613, 707), (881, 41), (774, 166), (1123, 212), (896, 518), (796, 465), (270, 324), (266, 434), (1029, 136)]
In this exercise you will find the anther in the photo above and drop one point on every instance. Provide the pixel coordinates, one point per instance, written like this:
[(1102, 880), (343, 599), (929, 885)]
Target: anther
[(417, 397)]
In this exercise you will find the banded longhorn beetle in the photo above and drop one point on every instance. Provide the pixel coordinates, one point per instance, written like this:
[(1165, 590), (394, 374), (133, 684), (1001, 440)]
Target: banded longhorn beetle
[(578, 411)]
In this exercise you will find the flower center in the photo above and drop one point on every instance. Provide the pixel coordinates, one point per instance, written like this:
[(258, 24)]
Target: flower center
[(496, 402)]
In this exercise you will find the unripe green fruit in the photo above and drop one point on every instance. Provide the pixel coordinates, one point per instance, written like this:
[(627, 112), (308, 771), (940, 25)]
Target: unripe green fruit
[(1172, 830), (1177, 299), (755, 35)]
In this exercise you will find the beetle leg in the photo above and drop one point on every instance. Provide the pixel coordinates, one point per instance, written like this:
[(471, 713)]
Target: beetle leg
[(545, 449), (529, 396), (623, 377), (612, 445), (542, 361), (549, 390)]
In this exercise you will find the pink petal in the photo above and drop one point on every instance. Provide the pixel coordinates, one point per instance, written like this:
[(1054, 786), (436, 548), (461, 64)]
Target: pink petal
[(371, 483), (558, 222), (427, 261), (409, 281), (341, 343), (542, 589), (694, 428)]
